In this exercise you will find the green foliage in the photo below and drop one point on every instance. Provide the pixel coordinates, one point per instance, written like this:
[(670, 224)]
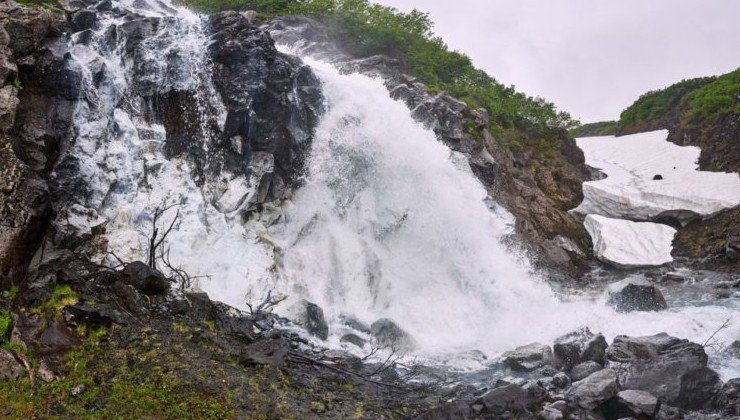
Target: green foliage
[(62, 295), (659, 103), (365, 29), (601, 128), (47, 4), (689, 101), (719, 97), (5, 322), (128, 393)]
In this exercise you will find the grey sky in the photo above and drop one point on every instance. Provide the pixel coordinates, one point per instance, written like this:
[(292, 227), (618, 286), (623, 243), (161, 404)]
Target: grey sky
[(591, 58)]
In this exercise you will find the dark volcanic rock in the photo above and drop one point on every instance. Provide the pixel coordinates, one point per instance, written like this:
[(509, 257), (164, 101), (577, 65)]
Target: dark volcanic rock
[(311, 317), (512, 397), (637, 296), (578, 347), (659, 364), (590, 392), (631, 403), (353, 339), (391, 335), (528, 358), (584, 370), (145, 279), (698, 387), (728, 398), (272, 100)]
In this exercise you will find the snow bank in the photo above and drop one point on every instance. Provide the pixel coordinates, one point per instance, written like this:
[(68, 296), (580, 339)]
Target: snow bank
[(628, 244), (630, 191)]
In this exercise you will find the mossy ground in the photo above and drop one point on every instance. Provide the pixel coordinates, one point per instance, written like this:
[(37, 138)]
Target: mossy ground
[(178, 367)]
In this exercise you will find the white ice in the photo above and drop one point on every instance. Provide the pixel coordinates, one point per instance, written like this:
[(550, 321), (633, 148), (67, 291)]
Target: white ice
[(624, 243), (630, 192)]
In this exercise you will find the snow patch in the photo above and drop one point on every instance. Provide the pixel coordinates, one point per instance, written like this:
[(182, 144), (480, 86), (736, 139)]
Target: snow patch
[(627, 244), (631, 191)]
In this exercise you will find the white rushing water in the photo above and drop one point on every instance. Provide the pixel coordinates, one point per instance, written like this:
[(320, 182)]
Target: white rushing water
[(389, 224), (392, 224)]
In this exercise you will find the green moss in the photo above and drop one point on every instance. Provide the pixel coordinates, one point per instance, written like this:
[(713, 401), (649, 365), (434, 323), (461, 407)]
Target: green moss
[(5, 323), (62, 295), (46, 4)]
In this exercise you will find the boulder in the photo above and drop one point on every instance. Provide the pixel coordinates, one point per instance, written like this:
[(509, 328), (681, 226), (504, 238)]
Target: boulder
[(528, 358), (698, 388), (594, 390), (636, 295), (57, 338), (354, 323), (391, 335), (10, 369), (512, 397), (659, 364), (584, 370), (145, 279), (353, 339), (311, 317), (632, 403), (727, 400), (578, 347), (83, 19)]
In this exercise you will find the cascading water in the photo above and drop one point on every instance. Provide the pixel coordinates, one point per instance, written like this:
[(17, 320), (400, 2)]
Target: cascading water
[(389, 224), (122, 151)]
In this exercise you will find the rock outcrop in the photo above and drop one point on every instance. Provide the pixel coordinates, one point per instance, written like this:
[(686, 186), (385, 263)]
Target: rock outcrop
[(27, 134), (667, 367)]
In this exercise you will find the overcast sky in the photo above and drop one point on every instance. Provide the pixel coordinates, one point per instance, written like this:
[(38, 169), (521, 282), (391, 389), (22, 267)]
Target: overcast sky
[(591, 58)]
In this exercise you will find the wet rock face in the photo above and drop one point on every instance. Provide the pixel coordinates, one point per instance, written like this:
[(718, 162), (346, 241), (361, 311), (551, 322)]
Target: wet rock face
[(637, 296), (24, 194), (580, 347), (272, 102), (669, 368)]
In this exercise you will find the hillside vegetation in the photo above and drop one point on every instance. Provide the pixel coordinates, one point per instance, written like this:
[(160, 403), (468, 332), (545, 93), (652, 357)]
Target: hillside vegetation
[(685, 105), (601, 128), (364, 29)]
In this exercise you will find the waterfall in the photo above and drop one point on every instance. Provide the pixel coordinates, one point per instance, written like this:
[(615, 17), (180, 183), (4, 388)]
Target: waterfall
[(389, 223)]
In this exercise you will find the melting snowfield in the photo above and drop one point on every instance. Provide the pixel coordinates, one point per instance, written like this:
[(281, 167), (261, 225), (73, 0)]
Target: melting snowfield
[(631, 190), (647, 179)]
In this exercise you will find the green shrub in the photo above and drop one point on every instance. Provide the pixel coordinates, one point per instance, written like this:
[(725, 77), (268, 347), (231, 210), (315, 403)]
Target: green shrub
[(601, 128), (719, 97)]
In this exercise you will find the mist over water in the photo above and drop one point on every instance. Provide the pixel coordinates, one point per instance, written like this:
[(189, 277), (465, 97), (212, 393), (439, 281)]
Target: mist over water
[(389, 224)]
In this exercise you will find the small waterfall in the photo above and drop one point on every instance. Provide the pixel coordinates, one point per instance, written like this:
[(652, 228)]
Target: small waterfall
[(142, 54), (389, 224)]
